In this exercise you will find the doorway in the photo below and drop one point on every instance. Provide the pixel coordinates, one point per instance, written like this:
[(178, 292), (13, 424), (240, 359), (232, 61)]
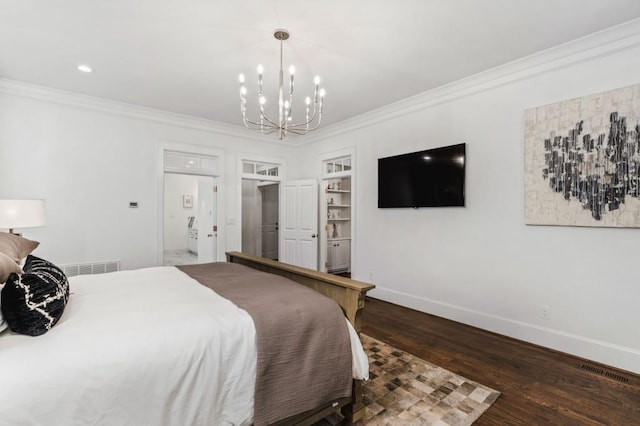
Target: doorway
[(338, 213), (190, 222), (260, 213)]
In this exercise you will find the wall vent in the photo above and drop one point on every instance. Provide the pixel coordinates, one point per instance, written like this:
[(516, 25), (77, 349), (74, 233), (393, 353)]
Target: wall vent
[(603, 372), (91, 268)]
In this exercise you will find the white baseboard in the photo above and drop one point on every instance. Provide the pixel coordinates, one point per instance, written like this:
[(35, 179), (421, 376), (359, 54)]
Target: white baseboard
[(621, 357)]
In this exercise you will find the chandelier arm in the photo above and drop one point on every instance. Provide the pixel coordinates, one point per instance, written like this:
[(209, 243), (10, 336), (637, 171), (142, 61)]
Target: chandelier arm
[(272, 123), (313, 127), (271, 130), (300, 126), (288, 115), (290, 100), (317, 124), (315, 110), (265, 130), (306, 123), (259, 126), (247, 123), (305, 128)]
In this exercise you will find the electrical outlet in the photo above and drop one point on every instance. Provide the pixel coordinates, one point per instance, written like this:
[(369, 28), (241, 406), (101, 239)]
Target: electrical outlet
[(545, 312)]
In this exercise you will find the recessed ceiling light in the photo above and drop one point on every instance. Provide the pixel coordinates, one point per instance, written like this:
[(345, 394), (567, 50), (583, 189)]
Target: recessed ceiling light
[(85, 68)]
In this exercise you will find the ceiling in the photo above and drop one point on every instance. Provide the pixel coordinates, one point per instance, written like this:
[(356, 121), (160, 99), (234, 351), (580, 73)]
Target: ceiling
[(184, 56)]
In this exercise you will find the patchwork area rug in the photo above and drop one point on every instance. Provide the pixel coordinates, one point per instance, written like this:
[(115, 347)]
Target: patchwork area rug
[(406, 390)]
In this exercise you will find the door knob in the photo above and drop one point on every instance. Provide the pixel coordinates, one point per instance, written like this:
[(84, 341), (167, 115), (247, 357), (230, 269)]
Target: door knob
[(209, 235), (313, 235)]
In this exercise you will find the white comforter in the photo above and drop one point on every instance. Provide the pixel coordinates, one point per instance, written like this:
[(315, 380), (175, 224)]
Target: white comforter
[(144, 347)]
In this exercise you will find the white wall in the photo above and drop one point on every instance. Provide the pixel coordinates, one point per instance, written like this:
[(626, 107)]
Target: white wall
[(176, 216), (89, 158), (480, 264)]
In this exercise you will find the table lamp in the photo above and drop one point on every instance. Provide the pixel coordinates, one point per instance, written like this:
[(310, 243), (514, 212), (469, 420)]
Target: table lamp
[(21, 214)]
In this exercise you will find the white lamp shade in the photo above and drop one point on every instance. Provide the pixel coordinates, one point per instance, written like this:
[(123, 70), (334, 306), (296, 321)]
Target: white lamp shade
[(21, 213)]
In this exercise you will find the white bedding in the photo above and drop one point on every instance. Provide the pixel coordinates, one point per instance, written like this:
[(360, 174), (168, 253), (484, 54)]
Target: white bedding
[(144, 347)]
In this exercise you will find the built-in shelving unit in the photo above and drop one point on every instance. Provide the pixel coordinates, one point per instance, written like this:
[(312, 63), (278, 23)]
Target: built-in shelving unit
[(337, 209)]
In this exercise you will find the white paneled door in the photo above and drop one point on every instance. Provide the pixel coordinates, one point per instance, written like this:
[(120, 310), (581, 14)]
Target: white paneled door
[(299, 224)]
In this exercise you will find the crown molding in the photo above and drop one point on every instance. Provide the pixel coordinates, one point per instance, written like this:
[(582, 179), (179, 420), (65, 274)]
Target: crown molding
[(77, 100), (602, 43)]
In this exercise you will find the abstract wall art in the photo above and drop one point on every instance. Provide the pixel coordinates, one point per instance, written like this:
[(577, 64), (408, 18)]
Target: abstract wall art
[(582, 161)]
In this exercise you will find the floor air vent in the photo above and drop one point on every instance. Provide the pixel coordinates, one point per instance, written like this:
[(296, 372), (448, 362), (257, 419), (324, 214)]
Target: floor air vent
[(90, 268), (602, 372)]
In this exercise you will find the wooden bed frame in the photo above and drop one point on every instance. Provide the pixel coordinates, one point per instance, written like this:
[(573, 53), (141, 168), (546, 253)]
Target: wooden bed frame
[(349, 294)]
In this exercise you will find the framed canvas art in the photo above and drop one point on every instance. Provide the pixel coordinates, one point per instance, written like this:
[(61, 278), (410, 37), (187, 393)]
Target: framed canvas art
[(582, 161)]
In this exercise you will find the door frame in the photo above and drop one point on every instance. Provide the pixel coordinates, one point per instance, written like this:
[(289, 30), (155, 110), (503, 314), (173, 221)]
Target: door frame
[(196, 150), (260, 186), (322, 254), (207, 185), (254, 158)]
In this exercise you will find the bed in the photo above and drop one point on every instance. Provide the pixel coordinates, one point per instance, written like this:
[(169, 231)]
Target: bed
[(156, 346)]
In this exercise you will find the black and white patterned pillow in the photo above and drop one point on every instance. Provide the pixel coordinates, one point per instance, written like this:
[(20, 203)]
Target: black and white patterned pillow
[(33, 302)]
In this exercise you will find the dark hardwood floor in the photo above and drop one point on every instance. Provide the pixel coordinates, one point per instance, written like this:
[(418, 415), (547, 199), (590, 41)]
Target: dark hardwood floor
[(539, 386)]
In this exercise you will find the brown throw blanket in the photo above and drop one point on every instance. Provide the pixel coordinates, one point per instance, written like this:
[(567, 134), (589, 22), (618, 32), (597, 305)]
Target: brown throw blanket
[(304, 352)]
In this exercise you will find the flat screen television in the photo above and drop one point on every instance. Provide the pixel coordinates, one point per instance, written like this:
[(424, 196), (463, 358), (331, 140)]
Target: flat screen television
[(431, 178)]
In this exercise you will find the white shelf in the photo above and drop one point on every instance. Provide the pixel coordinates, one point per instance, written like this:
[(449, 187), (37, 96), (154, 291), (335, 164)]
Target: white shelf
[(337, 199)]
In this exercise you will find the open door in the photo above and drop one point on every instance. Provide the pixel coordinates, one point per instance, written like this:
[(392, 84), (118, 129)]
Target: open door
[(269, 225), (299, 228), (207, 224)]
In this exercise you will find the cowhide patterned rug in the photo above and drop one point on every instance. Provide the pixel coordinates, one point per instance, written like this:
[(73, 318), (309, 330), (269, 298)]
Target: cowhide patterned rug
[(406, 390)]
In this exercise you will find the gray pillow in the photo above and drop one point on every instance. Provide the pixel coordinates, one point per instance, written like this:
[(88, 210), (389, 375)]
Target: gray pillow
[(7, 267), (16, 247)]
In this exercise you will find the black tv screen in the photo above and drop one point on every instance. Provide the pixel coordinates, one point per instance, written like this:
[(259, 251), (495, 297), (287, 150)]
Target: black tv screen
[(431, 178)]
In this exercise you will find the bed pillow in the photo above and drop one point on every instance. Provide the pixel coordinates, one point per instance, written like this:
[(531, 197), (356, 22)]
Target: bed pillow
[(15, 246), (7, 267), (3, 323), (33, 302)]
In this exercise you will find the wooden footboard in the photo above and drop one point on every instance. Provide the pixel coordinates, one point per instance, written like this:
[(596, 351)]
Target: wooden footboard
[(349, 294)]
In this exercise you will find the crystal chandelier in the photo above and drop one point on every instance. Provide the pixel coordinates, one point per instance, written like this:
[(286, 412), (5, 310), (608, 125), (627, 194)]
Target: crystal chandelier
[(284, 123)]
